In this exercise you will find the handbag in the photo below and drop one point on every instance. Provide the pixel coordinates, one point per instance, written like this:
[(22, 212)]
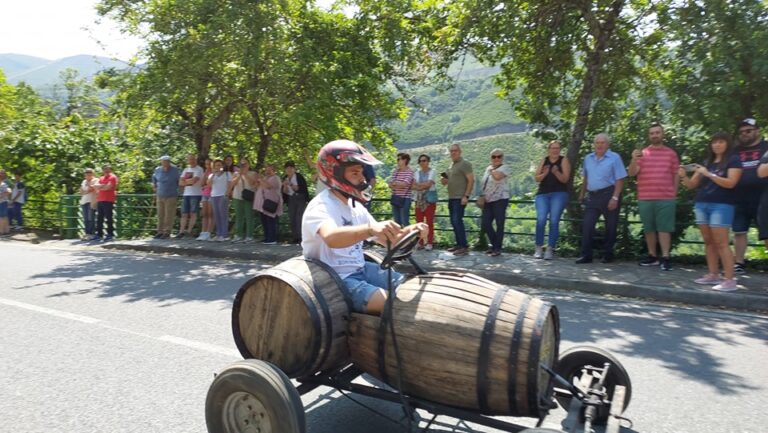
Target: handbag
[(269, 206), (397, 201), (431, 197), (480, 202), (248, 195)]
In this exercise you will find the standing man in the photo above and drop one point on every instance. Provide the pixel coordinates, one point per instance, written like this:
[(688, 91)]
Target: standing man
[(18, 198), (656, 168), (604, 175), (105, 204), (750, 147), (165, 184), (297, 193), (460, 181), (5, 194), (192, 181)]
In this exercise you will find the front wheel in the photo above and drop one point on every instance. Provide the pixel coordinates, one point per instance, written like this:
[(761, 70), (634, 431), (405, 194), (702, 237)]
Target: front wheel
[(253, 396), (573, 362)]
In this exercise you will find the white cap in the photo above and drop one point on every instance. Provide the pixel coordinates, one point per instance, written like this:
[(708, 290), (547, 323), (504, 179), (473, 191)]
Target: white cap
[(165, 158)]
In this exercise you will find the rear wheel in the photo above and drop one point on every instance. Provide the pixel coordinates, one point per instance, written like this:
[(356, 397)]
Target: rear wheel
[(253, 396), (572, 363)]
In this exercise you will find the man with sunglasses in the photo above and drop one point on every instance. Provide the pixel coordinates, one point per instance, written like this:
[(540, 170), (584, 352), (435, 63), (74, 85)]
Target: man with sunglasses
[(750, 147)]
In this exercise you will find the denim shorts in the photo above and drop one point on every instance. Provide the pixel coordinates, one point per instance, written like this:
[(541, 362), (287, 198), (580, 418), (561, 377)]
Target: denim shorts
[(718, 215), (365, 281), (190, 204)]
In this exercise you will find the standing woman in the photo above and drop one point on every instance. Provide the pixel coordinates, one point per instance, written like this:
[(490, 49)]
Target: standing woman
[(219, 182), (401, 183), (714, 207), (269, 203), (243, 192), (88, 203), (206, 210), (425, 196), (551, 198), (495, 194)]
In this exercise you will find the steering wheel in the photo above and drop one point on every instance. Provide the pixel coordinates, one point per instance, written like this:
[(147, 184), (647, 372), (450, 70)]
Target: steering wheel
[(401, 250)]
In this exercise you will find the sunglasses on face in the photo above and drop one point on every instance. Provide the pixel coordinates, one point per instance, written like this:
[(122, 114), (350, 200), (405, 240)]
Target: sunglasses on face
[(497, 156), (423, 160), (747, 131)]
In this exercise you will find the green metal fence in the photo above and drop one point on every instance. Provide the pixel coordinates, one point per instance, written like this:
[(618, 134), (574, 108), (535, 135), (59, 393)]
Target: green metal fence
[(135, 216)]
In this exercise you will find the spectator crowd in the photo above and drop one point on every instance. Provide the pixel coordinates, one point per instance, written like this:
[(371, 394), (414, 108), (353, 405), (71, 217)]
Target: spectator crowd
[(731, 196)]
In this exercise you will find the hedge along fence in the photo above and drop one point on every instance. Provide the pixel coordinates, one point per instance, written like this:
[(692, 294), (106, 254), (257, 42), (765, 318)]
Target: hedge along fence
[(135, 217)]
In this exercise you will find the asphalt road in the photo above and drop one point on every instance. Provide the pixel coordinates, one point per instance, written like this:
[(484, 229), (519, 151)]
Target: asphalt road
[(96, 341)]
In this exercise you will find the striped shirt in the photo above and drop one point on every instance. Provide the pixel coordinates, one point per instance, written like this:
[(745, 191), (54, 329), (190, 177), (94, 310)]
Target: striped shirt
[(656, 178), (402, 176)]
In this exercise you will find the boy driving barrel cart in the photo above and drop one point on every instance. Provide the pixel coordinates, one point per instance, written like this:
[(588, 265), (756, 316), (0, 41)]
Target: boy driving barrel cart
[(334, 226)]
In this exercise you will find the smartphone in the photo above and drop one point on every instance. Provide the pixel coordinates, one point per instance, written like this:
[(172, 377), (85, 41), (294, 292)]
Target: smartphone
[(690, 167), (444, 175)]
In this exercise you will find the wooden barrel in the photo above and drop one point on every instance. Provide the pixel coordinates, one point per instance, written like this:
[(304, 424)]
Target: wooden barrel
[(294, 315), (464, 341)]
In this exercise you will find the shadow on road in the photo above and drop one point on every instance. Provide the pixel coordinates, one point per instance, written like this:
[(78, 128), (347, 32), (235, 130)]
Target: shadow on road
[(170, 280)]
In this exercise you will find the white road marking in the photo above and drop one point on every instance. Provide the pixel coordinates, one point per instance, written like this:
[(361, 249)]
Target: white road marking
[(49, 311), (198, 345)]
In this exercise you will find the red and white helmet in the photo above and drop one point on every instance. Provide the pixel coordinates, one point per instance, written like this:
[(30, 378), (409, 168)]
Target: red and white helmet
[(334, 157)]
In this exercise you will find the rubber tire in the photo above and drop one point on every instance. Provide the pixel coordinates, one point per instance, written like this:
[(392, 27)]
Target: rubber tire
[(571, 362), (264, 381)]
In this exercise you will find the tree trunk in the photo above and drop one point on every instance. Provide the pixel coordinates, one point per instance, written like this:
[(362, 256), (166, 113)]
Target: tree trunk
[(594, 63)]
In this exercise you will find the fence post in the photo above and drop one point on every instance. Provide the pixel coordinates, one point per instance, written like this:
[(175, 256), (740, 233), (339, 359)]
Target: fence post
[(69, 225), (118, 215)]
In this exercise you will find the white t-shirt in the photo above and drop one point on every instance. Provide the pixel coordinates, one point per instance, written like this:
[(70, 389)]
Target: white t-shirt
[(325, 208), (220, 183), (22, 197), (197, 188)]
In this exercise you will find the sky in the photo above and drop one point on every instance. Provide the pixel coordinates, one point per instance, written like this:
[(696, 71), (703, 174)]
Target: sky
[(54, 29)]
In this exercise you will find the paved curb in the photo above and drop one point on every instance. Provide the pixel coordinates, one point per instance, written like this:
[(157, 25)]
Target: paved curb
[(741, 300)]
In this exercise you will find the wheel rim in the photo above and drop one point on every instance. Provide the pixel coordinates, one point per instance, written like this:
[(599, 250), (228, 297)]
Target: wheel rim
[(244, 413)]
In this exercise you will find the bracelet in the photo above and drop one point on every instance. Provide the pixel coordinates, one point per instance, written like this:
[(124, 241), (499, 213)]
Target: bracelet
[(614, 198)]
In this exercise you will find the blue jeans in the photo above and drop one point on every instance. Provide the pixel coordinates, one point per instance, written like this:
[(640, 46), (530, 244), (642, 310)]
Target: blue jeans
[(495, 211), (365, 281), (14, 213), (89, 218), (456, 212), (549, 207), (401, 214)]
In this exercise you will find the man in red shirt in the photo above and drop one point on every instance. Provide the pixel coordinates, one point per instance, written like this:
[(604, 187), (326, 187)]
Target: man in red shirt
[(656, 168), (105, 198)]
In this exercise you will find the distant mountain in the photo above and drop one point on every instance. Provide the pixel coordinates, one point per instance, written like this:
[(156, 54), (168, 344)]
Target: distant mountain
[(14, 64), (43, 74)]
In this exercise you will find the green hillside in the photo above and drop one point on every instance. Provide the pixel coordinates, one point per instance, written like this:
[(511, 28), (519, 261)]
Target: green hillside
[(468, 110)]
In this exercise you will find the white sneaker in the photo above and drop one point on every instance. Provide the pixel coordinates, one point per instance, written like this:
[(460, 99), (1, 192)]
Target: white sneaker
[(539, 252), (428, 247), (220, 239), (204, 236), (236, 238), (549, 254), (248, 240)]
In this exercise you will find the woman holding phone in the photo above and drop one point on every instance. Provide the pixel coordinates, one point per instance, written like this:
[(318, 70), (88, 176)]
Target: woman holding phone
[(714, 207)]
